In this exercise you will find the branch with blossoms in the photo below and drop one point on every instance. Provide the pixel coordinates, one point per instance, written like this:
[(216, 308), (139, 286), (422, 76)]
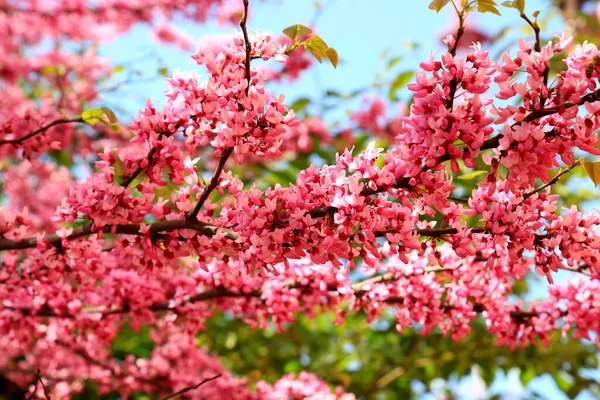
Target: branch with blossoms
[(41, 130), (151, 243)]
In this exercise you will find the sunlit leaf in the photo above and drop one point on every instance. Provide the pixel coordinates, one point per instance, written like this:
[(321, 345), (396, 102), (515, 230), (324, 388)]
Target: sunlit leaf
[(593, 171), (112, 118), (398, 83), (317, 47), (488, 6), (93, 116), (300, 104), (333, 56), (471, 175), (295, 31), (437, 5)]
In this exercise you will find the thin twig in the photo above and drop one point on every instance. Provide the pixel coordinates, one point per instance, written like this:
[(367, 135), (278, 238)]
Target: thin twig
[(538, 48), (182, 391), (46, 393), (37, 380), (191, 216), (173, 304), (551, 181), (214, 181), (41, 129), (247, 43), (130, 229)]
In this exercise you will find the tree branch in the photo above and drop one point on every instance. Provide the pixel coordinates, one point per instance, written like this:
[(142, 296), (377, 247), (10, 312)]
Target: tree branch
[(41, 129), (247, 43), (131, 229), (182, 391), (220, 292), (214, 181)]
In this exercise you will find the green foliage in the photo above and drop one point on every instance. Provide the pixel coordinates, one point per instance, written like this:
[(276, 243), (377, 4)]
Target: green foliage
[(488, 6), (437, 5), (314, 44), (319, 49), (593, 171), (398, 83), (519, 5), (295, 31), (374, 361), (471, 175), (101, 115)]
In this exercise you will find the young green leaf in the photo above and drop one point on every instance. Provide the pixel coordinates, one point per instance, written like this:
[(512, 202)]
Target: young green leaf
[(93, 116), (593, 171), (295, 31), (317, 47), (333, 56), (520, 5), (471, 175), (437, 5), (399, 82), (112, 118), (118, 68), (485, 6), (103, 114)]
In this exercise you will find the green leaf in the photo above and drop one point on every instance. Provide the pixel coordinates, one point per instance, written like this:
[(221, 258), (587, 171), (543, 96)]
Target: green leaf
[(317, 47), (393, 61), (437, 5), (593, 171), (471, 175), (300, 104), (53, 70), (295, 31), (488, 6), (118, 68), (93, 116), (97, 115), (112, 118), (516, 4), (399, 82), (162, 71), (333, 56)]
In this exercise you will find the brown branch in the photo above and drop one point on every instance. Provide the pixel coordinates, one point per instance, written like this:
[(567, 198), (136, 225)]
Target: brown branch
[(160, 228), (41, 129), (46, 392), (215, 293), (588, 98), (247, 43), (37, 379), (227, 153), (182, 391), (536, 30), (551, 181), (83, 354), (538, 48), (150, 157), (214, 181), (131, 229)]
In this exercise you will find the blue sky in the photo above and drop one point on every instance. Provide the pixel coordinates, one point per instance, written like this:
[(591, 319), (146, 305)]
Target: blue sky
[(361, 31)]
